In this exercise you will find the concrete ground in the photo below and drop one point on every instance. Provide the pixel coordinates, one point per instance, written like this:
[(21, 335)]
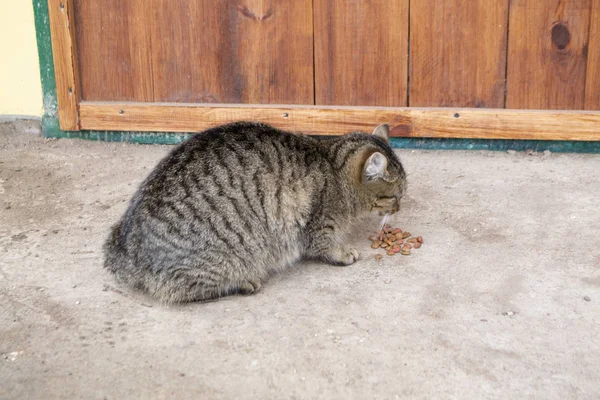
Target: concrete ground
[(502, 301)]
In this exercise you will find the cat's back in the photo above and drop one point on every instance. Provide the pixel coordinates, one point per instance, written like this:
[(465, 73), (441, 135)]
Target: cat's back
[(241, 177), (243, 147)]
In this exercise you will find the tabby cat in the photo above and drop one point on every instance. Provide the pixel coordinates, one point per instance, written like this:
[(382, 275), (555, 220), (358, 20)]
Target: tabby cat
[(235, 203)]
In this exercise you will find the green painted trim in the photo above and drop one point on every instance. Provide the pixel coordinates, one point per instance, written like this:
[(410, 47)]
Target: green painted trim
[(398, 143), (50, 124), (51, 128), (555, 146), (118, 136)]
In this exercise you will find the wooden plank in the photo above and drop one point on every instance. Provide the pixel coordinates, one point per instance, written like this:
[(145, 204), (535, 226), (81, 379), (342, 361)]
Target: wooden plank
[(60, 14), (592, 82), (172, 51), (323, 120), (361, 50), (208, 51), (221, 51), (114, 47), (458, 53), (547, 54), (140, 79)]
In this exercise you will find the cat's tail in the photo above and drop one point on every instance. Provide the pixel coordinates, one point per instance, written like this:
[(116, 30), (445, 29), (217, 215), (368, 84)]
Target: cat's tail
[(120, 263), (114, 253)]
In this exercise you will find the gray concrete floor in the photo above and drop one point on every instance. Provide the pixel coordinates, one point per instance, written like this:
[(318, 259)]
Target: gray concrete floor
[(502, 301)]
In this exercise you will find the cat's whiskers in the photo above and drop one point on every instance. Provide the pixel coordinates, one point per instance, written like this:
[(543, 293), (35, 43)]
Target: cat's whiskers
[(383, 223)]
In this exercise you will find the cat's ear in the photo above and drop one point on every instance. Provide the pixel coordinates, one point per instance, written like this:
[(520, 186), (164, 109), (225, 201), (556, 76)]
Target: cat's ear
[(383, 132), (375, 167)]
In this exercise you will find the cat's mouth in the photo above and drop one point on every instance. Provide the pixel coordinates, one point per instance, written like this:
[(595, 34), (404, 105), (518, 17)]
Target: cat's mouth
[(388, 205)]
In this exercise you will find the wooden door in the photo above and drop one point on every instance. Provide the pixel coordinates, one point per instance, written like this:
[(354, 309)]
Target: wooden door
[(520, 69)]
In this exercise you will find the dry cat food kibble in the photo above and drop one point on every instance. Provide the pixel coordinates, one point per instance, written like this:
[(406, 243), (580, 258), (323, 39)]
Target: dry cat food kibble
[(393, 241)]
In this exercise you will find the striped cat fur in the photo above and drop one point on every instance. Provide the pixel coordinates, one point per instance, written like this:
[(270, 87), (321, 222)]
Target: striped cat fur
[(236, 203)]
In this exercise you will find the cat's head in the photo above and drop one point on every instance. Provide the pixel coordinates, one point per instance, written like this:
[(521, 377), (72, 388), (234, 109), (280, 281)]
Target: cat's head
[(383, 179)]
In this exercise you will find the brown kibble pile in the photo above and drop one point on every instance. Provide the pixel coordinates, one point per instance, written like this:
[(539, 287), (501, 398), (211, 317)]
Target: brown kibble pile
[(394, 240)]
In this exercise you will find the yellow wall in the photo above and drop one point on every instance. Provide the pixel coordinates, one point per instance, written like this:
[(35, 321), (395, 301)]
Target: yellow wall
[(20, 87)]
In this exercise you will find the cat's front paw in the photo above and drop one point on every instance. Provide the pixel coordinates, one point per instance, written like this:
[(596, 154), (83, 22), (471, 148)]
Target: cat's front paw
[(342, 255)]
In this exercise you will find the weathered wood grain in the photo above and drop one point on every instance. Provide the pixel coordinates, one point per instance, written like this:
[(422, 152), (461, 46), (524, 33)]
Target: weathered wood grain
[(115, 49), (458, 53), (321, 120), (208, 51), (547, 54), (361, 50), (60, 14), (592, 82)]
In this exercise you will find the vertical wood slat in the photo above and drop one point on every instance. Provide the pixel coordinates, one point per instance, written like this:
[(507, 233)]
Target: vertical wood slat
[(274, 42), (222, 51), (592, 87), (458, 53), (140, 25), (547, 54), (361, 50), (114, 47), (171, 57), (61, 17)]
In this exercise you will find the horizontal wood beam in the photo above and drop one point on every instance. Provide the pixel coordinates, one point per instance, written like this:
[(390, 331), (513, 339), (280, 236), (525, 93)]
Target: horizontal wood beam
[(475, 123)]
